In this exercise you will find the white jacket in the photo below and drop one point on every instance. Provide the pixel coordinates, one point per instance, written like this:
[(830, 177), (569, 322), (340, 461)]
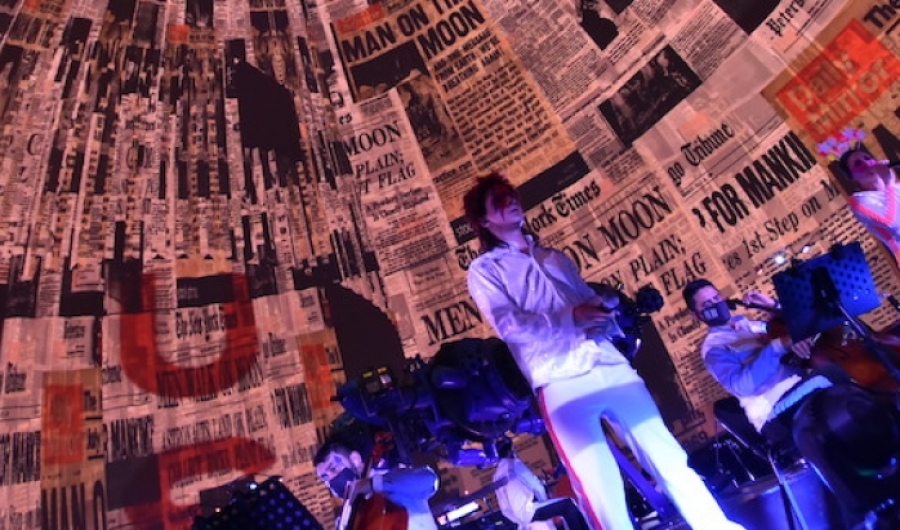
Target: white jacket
[(528, 300)]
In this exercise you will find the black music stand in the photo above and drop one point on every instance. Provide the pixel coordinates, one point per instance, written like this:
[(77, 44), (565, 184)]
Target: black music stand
[(828, 291), (268, 506)]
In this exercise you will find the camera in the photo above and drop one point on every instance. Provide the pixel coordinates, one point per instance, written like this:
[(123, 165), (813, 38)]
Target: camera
[(457, 405)]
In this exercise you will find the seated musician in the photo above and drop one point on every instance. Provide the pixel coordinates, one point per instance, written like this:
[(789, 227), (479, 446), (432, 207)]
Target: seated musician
[(523, 498), (840, 429), (341, 465)]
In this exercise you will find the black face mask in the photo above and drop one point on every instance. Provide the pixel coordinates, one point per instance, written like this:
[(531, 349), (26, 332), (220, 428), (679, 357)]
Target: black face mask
[(338, 484), (717, 315)]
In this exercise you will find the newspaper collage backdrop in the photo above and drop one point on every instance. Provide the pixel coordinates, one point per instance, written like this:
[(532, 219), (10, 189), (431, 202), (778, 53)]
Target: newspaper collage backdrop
[(212, 212)]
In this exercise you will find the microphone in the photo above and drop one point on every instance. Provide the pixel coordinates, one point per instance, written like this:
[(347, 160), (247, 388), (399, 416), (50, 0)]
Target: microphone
[(733, 303), (888, 163)]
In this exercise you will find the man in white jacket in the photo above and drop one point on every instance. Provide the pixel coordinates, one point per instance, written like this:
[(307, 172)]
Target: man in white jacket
[(553, 322)]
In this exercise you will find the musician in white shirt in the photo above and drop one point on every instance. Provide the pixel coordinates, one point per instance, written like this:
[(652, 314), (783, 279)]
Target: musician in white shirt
[(523, 499), (340, 464)]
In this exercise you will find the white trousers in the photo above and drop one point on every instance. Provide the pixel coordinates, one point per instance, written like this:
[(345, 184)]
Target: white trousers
[(572, 410)]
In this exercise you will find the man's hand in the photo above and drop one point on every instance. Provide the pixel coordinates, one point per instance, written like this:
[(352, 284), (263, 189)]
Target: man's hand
[(589, 316), (364, 487), (803, 349), (758, 299)]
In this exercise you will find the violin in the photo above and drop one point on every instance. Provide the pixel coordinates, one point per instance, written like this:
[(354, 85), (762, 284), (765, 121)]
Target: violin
[(843, 347)]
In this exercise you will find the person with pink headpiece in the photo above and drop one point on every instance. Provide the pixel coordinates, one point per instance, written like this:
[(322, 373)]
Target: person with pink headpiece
[(874, 202)]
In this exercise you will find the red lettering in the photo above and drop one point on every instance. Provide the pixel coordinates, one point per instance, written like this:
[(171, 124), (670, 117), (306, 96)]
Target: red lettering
[(143, 364)]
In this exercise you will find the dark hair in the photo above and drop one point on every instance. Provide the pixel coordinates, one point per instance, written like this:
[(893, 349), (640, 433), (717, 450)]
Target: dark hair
[(334, 444), (475, 208), (844, 160), (346, 435), (691, 289)]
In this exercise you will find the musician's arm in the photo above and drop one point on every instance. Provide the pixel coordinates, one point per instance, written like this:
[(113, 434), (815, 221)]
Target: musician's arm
[(741, 374), (555, 330), (409, 482), (523, 472), (515, 504), (758, 300)]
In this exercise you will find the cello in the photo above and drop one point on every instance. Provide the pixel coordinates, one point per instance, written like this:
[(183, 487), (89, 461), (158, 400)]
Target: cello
[(367, 510)]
